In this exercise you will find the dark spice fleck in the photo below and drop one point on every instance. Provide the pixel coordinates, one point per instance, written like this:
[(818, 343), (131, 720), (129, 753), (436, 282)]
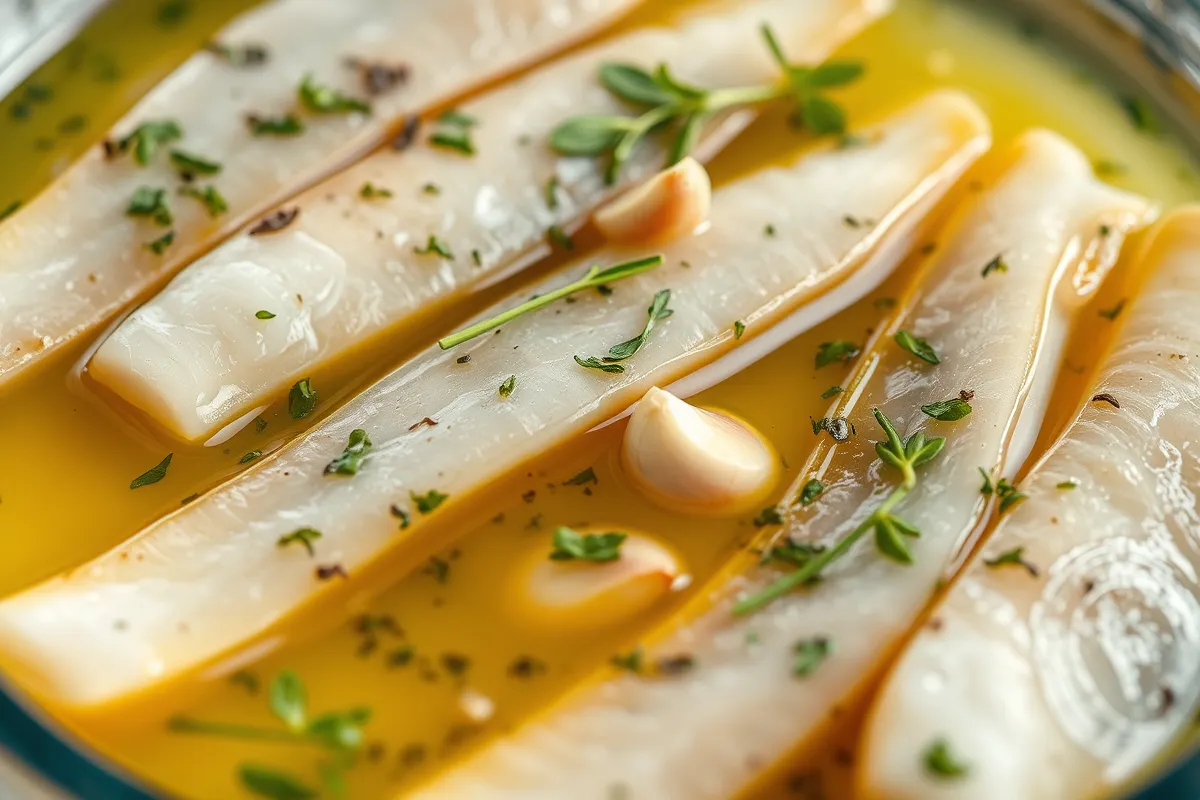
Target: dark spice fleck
[(524, 667), (328, 571), (672, 666), (463, 359), (455, 664), (408, 133), (275, 221), (378, 77)]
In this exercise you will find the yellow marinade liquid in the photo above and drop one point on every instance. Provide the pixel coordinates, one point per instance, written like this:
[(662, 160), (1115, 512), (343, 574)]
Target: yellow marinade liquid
[(409, 653)]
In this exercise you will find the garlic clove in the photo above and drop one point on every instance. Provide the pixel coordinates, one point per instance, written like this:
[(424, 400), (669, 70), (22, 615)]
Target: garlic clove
[(696, 461), (570, 595), (673, 203)]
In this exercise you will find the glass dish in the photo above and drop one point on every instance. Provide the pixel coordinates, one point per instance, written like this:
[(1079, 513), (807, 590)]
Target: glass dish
[(1153, 45)]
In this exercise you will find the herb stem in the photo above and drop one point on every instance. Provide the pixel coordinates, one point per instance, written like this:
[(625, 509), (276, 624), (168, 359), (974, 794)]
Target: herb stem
[(594, 277), (192, 725)]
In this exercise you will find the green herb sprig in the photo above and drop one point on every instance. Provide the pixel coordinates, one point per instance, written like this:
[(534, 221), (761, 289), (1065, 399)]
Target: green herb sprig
[(595, 277), (685, 109), (890, 530), (619, 352), (571, 546)]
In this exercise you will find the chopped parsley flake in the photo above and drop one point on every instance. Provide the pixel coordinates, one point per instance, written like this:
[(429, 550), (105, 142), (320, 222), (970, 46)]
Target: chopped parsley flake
[(810, 654), (324, 100), (947, 410), (917, 346), (506, 388), (351, 459), (940, 762), (301, 536), (152, 475), (435, 246), (570, 545), (840, 351), (811, 491), (302, 399), (426, 503)]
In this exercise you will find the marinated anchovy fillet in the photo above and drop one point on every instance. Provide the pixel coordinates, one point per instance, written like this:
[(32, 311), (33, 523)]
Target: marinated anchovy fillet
[(289, 92), (211, 576), (768, 676), (1068, 673), (397, 234)]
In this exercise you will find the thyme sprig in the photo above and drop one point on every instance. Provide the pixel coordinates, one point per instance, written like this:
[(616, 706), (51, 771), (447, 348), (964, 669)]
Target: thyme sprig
[(595, 276), (668, 102), (890, 530)]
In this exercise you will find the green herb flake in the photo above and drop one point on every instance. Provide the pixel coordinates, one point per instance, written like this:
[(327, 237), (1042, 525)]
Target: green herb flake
[(435, 246), (146, 138), (212, 200), (351, 459), (302, 399), (302, 536), (1008, 494), (997, 264), (840, 351), (811, 491), (273, 784), (150, 202), (987, 489), (739, 328), (768, 516), (582, 478), (633, 661), (832, 391), (431, 189), (552, 193), (370, 191), (940, 762), (286, 125), (253, 455), (917, 346), (152, 475), (159, 246), (599, 547), (1014, 557), (264, 314), (426, 503), (809, 654), (507, 387), (324, 100), (591, 362), (1067, 485), (947, 410), (189, 164), (656, 312)]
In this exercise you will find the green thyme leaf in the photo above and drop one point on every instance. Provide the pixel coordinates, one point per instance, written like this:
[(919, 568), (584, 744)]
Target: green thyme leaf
[(987, 488), (273, 784), (253, 455), (370, 191), (287, 125), (634, 84), (832, 391), (1008, 494), (152, 475), (570, 545), (1067, 485), (301, 536), (631, 661), (145, 139), (657, 311), (150, 202), (264, 314), (835, 73), (426, 503), (507, 387), (1014, 557), (822, 116), (302, 399), (213, 201), (591, 362), (840, 351), (585, 477), (589, 135), (190, 164), (552, 193), (811, 491), (917, 346), (890, 541), (159, 246), (559, 238), (289, 699), (995, 265), (810, 654), (454, 132), (947, 410), (435, 246), (739, 328), (324, 100), (351, 459), (940, 762)]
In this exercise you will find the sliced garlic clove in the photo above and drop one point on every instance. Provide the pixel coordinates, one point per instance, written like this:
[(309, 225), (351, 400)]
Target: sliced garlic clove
[(701, 462), (570, 594), (673, 203)]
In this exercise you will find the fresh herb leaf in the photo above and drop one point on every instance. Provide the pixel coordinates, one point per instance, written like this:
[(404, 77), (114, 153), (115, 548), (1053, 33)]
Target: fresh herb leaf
[(426, 503), (595, 276), (302, 536), (273, 784), (454, 132), (940, 762), (1067, 485), (552, 193), (840, 351), (289, 699), (150, 202), (506, 388), (768, 516), (351, 459), (832, 391), (253, 455), (591, 362), (905, 456), (917, 346), (324, 100), (152, 475), (987, 488), (302, 399), (1008, 494), (810, 654), (570, 545), (657, 311), (435, 246), (739, 328), (146, 138), (189, 164), (811, 491), (947, 410), (587, 476), (1015, 557), (370, 191), (631, 661), (159, 246), (213, 201), (264, 314), (287, 125), (821, 115)]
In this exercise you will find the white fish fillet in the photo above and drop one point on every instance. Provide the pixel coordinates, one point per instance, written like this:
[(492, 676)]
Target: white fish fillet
[(72, 258), (1066, 684), (709, 732), (209, 577), (196, 358)]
